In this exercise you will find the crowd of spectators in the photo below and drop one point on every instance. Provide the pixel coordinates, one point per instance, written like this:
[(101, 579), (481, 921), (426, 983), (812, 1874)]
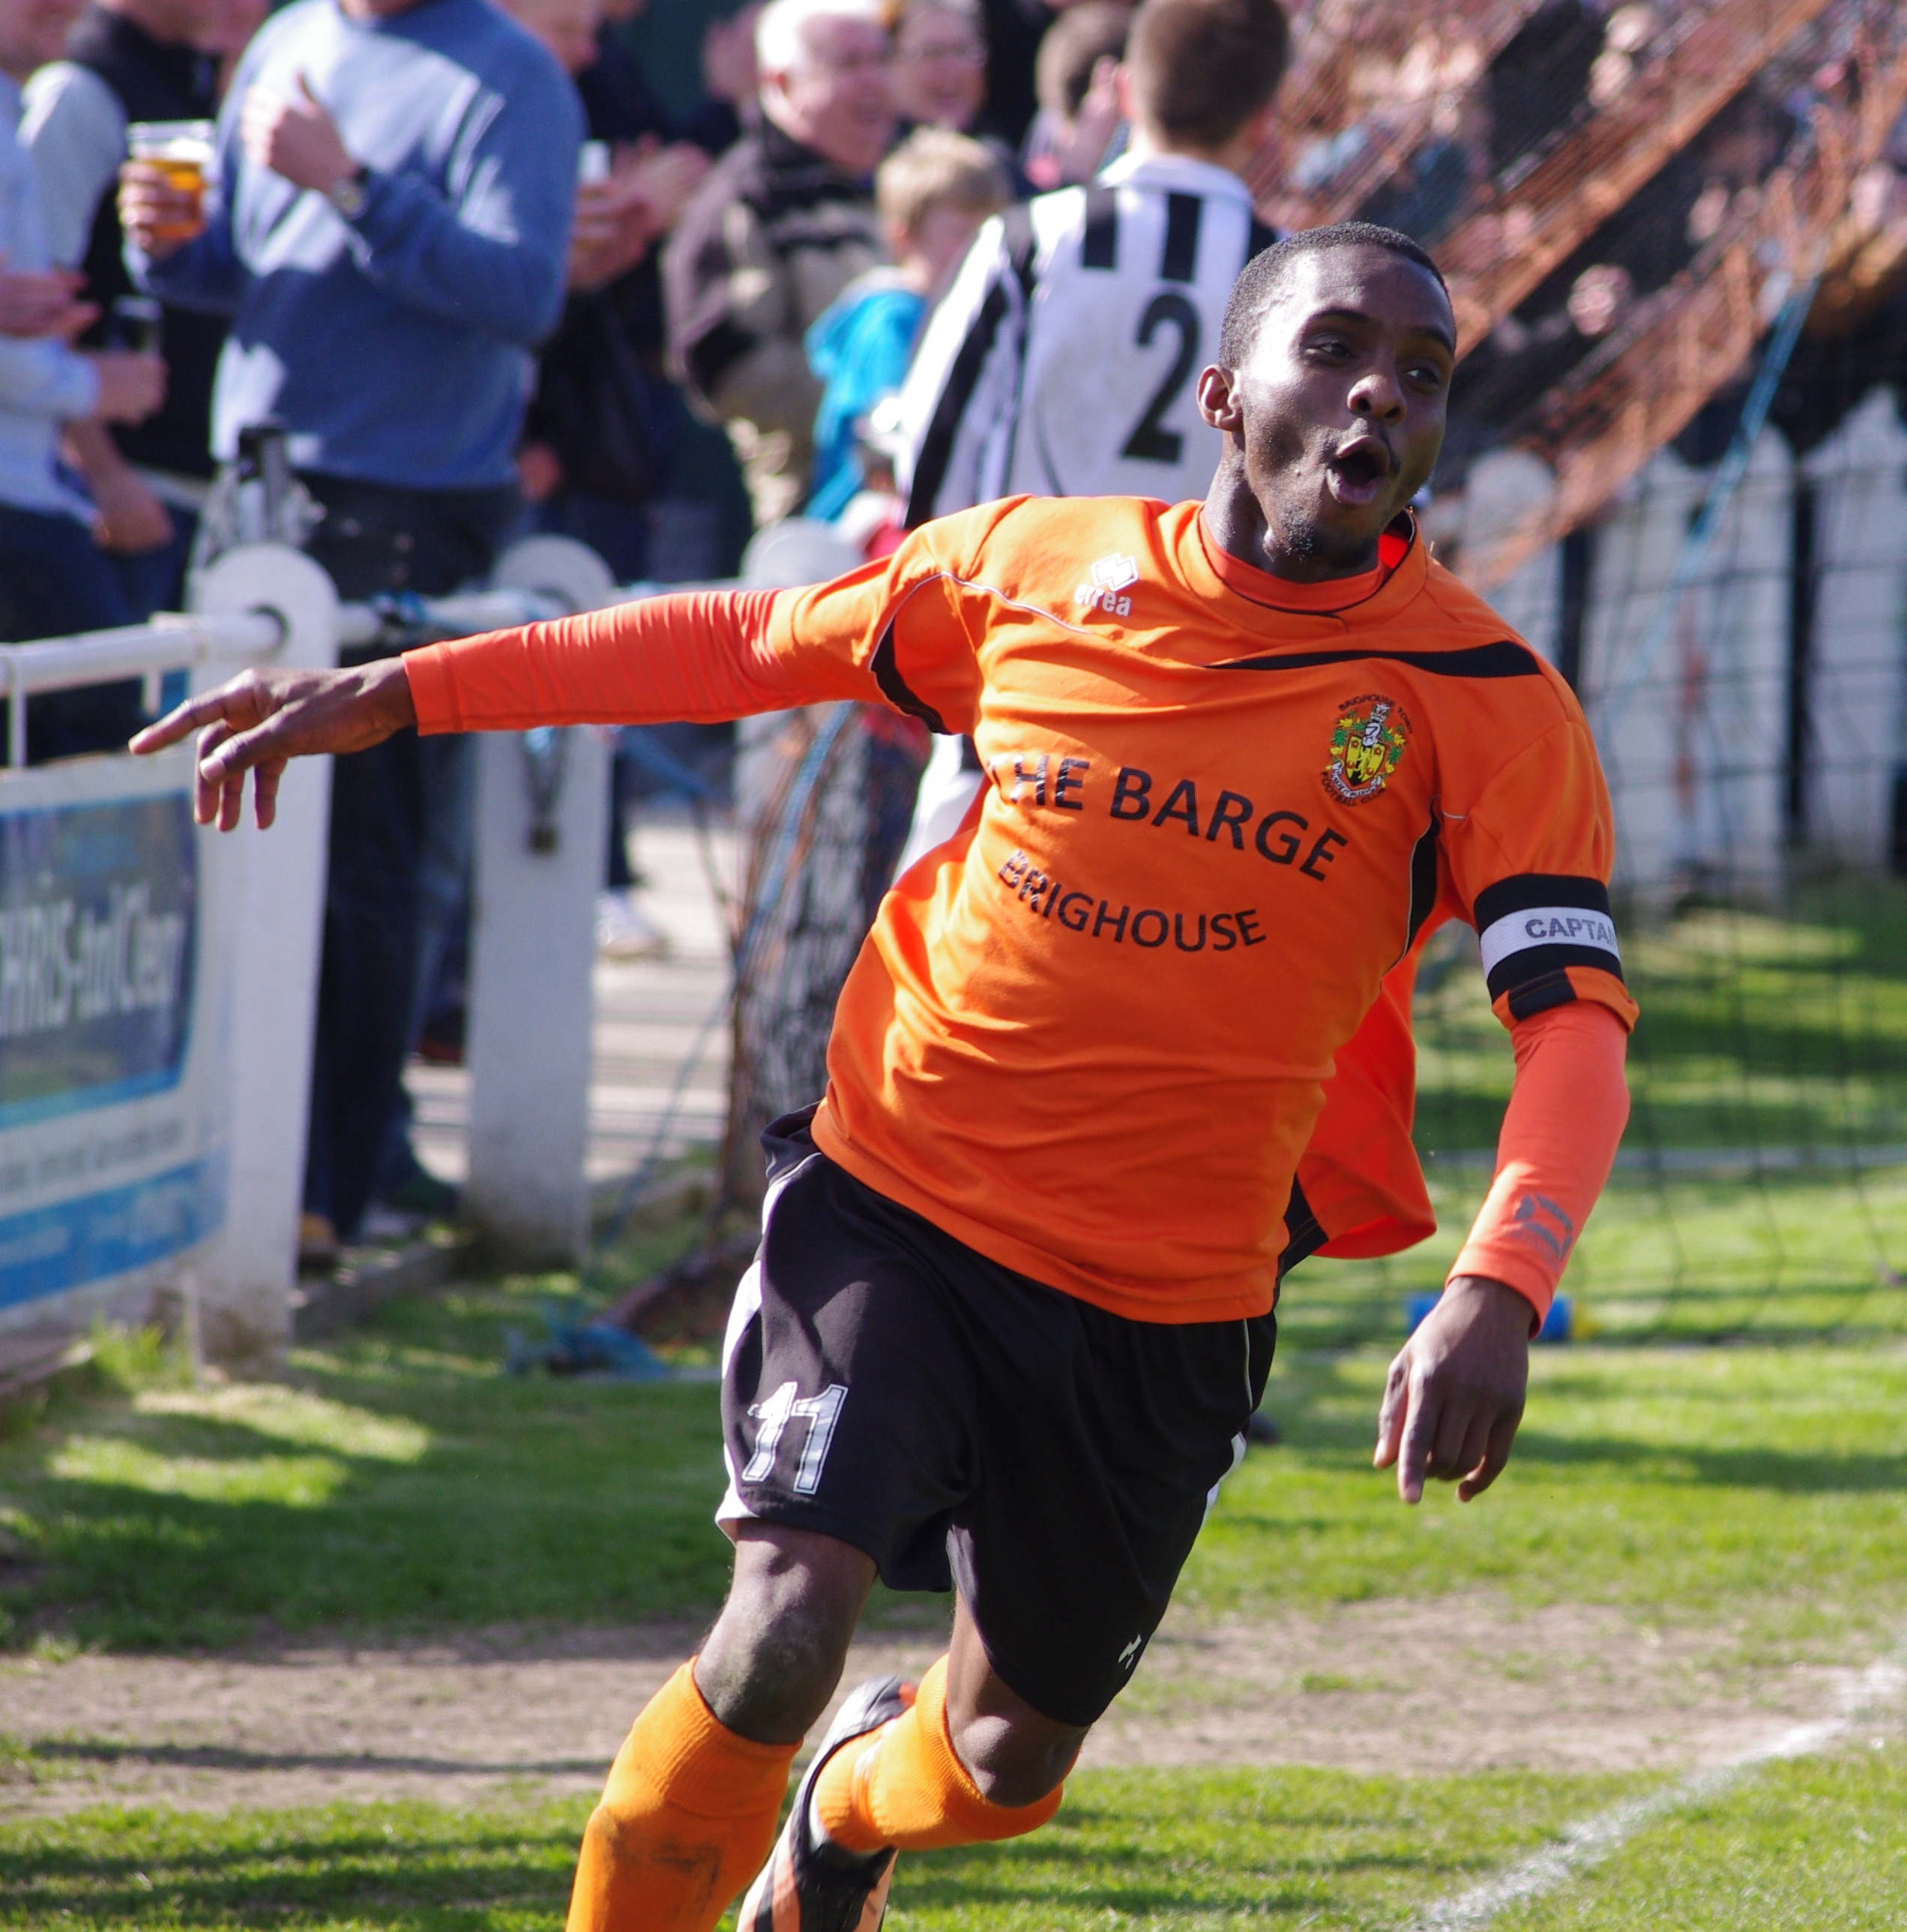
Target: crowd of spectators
[(489, 278)]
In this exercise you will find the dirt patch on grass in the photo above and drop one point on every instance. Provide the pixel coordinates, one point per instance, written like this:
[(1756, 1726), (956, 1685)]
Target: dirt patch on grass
[(1460, 1685)]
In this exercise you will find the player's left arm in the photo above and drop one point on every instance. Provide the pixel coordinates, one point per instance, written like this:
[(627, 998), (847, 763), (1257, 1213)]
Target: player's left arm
[(893, 633), (1529, 854)]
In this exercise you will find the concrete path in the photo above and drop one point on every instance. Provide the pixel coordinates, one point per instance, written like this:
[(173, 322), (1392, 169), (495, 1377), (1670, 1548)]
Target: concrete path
[(649, 1014), (1461, 1685)]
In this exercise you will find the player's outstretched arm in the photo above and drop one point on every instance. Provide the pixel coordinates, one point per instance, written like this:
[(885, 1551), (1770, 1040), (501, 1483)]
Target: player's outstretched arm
[(262, 719), (1455, 1391), (700, 655)]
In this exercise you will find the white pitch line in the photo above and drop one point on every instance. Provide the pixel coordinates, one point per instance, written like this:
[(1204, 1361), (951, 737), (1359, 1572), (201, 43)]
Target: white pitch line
[(1593, 1840)]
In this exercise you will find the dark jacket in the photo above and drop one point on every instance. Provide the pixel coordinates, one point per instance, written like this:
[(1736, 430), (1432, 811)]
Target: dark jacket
[(773, 236), (153, 82)]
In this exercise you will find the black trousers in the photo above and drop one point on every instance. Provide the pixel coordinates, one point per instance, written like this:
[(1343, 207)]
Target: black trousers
[(376, 539)]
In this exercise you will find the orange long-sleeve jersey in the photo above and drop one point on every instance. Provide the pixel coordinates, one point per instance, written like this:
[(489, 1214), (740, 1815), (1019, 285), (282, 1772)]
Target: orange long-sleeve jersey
[(1090, 1037)]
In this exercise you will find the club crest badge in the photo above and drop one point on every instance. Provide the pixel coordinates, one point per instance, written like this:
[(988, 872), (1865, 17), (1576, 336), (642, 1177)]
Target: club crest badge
[(1367, 742)]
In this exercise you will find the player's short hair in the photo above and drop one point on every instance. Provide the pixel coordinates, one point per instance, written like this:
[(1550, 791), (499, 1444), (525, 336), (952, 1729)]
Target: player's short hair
[(1202, 68), (1258, 280), (935, 167), (1072, 47), (780, 46)]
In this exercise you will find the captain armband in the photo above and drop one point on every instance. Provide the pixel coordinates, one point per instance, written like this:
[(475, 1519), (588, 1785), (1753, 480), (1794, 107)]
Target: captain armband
[(1533, 928)]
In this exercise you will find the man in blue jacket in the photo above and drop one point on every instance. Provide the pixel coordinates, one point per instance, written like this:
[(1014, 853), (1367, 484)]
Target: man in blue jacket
[(388, 231)]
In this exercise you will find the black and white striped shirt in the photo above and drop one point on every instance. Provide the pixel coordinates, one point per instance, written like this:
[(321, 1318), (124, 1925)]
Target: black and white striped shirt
[(1063, 359)]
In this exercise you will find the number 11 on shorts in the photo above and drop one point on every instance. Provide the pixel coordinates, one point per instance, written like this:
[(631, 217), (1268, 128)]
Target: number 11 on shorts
[(819, 1412)]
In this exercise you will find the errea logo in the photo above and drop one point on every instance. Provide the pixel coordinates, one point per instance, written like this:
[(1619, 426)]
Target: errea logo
[(1110, 576)]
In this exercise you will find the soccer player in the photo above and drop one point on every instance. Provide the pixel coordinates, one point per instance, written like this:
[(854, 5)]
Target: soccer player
[(1062, 361), (1013, 1303)]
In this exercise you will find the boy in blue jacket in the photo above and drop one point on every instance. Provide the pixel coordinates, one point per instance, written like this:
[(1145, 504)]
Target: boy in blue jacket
[(933, 191)]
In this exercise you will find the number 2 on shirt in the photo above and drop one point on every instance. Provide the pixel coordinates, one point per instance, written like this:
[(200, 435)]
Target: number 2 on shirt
[(1150, 442)]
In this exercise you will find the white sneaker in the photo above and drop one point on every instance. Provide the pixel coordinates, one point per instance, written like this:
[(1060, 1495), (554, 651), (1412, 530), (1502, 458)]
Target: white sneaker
[(623, 931)]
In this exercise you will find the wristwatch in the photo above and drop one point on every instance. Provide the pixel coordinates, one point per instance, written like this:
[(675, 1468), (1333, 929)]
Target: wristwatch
[(347, 196)]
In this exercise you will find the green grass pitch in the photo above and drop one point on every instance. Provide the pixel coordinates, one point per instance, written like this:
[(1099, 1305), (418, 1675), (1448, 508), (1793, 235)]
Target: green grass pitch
[(404, 1485)]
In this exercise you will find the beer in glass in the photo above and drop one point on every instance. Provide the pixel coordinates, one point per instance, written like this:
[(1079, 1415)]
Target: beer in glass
[(181, 151)]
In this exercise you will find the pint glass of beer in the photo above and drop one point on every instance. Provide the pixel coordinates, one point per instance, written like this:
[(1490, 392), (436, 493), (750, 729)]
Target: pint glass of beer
[(181, 151)]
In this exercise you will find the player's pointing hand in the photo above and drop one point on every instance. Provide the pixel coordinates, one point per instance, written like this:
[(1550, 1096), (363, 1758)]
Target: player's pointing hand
[(262, 719), (1454, 1393)]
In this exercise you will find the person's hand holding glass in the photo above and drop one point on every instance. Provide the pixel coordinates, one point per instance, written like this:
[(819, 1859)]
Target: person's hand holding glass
[(162, 187)]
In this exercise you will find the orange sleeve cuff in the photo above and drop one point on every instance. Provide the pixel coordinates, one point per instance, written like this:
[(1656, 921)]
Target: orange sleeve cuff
[(700, 656), (1560, 1132)]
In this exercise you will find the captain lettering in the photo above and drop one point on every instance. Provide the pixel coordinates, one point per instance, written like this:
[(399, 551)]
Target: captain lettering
[(1278, 837), (1586, 928)]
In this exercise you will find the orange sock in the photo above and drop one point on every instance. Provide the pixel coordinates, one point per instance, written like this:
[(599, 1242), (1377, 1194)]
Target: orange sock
[(905, 1786), (685, 1820)]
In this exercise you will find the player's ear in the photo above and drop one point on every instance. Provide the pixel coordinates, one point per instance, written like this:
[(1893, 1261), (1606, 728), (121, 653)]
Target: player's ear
[(1218, 400)]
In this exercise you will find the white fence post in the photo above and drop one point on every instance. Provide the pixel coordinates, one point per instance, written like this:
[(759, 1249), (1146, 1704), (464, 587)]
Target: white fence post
[(533, 946), (540, 863), (1860, 476), (1636, 547), (274, 888)]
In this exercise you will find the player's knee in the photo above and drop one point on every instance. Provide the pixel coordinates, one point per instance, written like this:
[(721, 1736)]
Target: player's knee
[(776, 1652), (1014, 1763)]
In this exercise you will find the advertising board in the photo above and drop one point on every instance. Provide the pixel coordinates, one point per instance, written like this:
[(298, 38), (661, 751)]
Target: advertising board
[(111, 1154)]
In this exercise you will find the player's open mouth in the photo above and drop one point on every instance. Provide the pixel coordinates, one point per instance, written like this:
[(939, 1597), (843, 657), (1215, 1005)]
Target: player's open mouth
[(1356, 472)]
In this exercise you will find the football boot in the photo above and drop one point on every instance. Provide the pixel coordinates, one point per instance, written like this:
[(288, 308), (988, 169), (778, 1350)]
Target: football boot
[(806, 1887)]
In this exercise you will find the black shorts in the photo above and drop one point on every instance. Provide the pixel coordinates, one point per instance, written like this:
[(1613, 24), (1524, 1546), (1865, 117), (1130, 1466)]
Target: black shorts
[(884, 1384)]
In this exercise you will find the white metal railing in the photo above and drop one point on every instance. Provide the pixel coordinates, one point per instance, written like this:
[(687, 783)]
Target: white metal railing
[(147, 651), (177, 641), (460, 615)]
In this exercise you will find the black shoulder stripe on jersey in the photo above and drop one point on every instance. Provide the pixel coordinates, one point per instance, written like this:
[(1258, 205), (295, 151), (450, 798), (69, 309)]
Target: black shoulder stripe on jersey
[(1503, 659), (1260, 237), (894, 687), (970, 756), (1537, 996), (1179, 260), (1303, 1235), (937, 445), (1099, 248), (1539, 889), (1423, 882)]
